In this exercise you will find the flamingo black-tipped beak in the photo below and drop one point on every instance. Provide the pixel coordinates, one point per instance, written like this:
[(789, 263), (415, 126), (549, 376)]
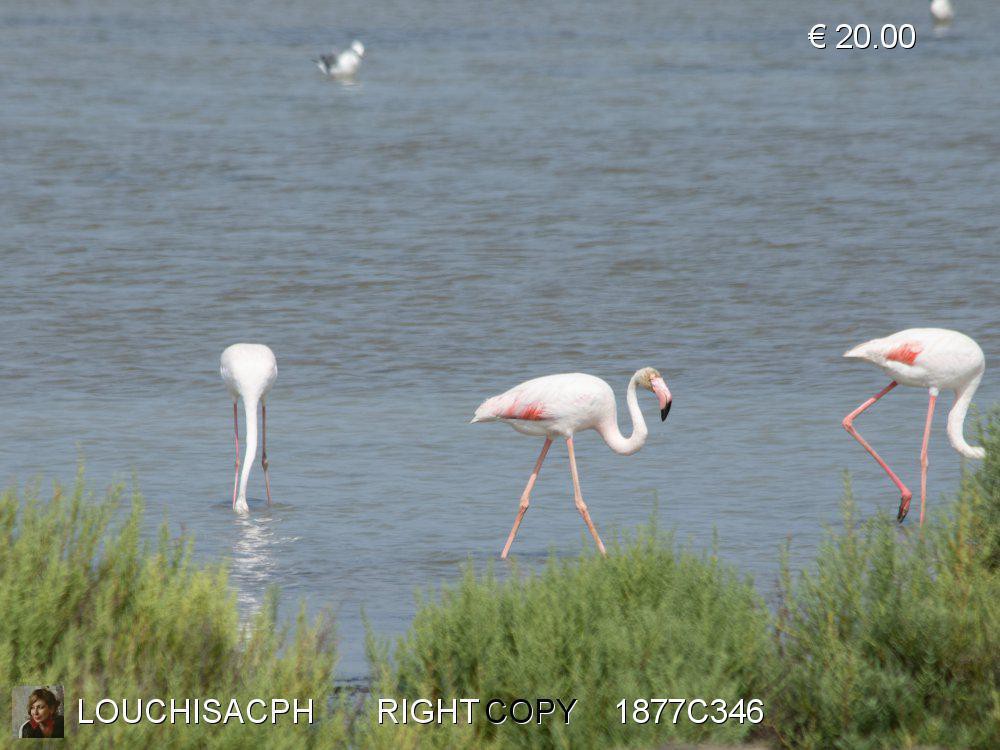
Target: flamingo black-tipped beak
[(904, 508), (658, 387)]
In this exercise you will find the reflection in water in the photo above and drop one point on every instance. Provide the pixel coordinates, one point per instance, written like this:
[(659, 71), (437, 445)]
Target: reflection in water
[(254, 561), (353, 84)]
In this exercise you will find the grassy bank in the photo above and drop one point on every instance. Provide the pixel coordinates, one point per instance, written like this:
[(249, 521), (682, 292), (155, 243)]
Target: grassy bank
[(647, 618), (890, 640), (892, 644), (86, 604), (894, 639)]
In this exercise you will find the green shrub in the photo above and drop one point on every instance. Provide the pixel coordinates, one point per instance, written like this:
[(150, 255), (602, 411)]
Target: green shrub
[(981, 492), (894, 640), (87, 605), (891, 641), (648, 621)]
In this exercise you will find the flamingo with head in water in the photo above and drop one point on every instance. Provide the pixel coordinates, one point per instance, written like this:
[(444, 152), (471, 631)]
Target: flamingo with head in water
[(932, 358), (559, 406), (249, 371)]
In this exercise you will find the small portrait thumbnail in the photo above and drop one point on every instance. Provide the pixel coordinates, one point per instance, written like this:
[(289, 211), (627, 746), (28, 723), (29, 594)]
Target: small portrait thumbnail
[(38, 711)]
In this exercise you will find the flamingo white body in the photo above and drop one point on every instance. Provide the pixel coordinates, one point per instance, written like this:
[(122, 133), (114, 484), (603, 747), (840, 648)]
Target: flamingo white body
[(932, 358), (559, 406), (342, 64), (942, 11), (249, 371)]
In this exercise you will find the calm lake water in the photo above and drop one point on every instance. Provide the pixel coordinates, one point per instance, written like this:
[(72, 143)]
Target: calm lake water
[(504, 193)]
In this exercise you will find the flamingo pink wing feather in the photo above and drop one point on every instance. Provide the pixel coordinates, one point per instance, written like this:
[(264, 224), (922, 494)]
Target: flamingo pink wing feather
[(906, 352), (529, 401), (514, 405)]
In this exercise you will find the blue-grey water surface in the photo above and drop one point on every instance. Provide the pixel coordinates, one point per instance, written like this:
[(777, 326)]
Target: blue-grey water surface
[(508, 190)]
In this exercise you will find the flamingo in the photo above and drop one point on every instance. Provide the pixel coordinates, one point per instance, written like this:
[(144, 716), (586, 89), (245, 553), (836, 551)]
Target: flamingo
[(932, 358), (249, 371), (342, 64), (559, 406), (942, 11)]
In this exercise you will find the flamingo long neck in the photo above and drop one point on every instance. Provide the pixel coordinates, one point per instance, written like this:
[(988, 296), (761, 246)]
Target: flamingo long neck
[(250, 405), (613, 436), (956, 419)]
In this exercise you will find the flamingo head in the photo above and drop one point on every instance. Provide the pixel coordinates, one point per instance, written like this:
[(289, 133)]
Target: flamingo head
[(651, 380), (358, 47)]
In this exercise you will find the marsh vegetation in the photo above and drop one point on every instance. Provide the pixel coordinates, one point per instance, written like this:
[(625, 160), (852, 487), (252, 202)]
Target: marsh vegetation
[(892, 638)]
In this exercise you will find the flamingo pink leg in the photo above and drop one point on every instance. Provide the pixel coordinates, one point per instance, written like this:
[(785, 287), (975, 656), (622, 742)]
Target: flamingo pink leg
[(236, 433), (923, 454), (906, 495), (263, 452), (526, 498), (580, 505)]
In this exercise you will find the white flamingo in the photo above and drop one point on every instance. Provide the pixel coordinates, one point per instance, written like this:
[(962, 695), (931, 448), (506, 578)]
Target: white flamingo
[(342, 64), (249, 371), (932, 358), (942, 11), (562, 405)]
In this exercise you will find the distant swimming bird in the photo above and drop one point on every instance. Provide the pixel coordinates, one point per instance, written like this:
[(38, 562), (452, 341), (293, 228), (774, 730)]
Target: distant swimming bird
[(562, 405), (942, 11), (342, 64), (249, 371), (932, 358)]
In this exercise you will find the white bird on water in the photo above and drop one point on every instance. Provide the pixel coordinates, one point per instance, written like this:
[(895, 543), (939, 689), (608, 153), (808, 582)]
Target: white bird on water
[(559, 406), (942, 11), (249, 371), (932, 358), (342, 64)]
